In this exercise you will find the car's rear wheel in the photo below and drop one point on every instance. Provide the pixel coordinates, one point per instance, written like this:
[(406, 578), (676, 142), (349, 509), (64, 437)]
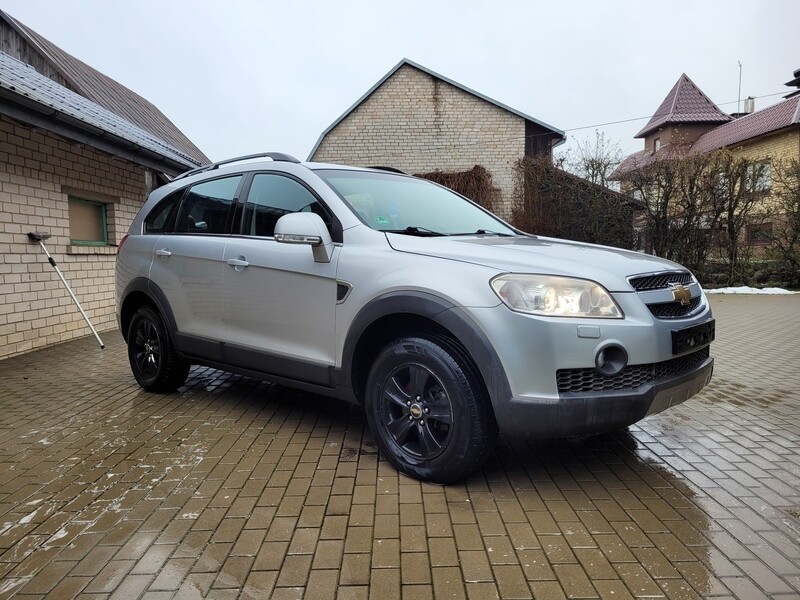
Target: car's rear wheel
[(154, 362), (428, 409)]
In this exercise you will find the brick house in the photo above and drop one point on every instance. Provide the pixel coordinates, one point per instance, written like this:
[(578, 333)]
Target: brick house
[(78, 154), (687, 122), (419, 121)]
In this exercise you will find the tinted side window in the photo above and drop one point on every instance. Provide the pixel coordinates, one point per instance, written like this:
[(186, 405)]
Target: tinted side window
[(206, 207), (158, 219), (271, 197)]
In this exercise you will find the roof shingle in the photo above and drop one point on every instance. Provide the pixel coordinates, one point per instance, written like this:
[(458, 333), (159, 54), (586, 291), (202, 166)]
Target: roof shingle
[(685, 103), (19, 80), (108, 93), (780, 115)]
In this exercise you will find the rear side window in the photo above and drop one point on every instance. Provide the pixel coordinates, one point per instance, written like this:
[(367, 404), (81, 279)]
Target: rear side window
[(207, 206), (159, 218), (271, 197)]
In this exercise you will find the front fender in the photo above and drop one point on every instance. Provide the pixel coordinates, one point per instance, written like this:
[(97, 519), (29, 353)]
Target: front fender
[(453, 318)]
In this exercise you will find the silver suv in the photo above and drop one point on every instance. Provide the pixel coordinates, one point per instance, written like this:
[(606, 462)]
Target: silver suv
[(372, 286)]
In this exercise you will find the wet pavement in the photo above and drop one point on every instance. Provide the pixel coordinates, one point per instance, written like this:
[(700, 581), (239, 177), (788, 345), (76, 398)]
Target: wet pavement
[(235, 488)]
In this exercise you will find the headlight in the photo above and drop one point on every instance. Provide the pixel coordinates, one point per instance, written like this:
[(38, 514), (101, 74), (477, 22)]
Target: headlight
[(553, 296)]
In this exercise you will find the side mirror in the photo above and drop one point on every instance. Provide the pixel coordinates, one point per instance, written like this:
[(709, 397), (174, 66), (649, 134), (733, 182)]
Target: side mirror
[(307, 229)]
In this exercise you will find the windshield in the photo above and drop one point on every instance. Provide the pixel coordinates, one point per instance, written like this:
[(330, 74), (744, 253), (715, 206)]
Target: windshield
[(401, 204)]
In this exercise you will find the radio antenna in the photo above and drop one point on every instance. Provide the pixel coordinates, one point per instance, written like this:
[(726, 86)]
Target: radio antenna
[(739, 97)]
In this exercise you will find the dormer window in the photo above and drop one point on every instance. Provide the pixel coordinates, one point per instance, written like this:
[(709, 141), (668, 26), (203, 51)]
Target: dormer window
[(656, 144)]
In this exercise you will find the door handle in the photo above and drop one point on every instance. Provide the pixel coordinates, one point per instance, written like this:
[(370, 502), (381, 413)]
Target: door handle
[(163, 252), (239, 262)]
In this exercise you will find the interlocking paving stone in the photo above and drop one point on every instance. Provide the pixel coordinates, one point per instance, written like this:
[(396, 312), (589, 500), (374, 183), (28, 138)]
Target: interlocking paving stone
[(232, 488)]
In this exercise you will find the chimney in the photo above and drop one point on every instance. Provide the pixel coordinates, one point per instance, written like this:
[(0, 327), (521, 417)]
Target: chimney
[(748, 108)]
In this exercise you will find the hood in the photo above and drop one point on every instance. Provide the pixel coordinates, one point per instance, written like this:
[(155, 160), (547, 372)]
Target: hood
[(610, 267)]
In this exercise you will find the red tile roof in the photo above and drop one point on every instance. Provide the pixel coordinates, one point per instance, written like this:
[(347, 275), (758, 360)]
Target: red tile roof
[(685, 103), (643, 158), (781, 115)]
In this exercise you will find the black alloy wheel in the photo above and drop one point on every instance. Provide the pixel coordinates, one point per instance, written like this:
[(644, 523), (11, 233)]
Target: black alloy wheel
[(154, 362), (417, 411), (147, 348), (428, 408)]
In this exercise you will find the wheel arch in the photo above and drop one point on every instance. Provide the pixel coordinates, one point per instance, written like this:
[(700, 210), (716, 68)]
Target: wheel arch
[(140, 292), (404, 313)]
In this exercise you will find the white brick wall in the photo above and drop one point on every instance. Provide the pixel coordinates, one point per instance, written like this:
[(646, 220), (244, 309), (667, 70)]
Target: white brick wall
[(417, 123), (37, 171)]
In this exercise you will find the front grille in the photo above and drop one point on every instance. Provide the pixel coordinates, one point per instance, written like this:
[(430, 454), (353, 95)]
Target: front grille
[(674, 310), (660, 281), (630, 378)]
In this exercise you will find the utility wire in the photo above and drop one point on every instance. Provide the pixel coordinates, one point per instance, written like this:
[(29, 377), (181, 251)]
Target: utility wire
[(651, 116)]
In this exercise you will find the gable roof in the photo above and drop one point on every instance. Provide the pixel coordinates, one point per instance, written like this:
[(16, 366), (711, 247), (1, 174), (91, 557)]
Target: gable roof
[(434, 74), (111, 95), (685, 103), (29, 96), (767, 120)]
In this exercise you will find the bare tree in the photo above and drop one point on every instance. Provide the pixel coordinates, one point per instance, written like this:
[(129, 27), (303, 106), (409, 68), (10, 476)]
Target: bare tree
[(693, 200), (742, 187), (655, 185), (786, 221), (593, 160)]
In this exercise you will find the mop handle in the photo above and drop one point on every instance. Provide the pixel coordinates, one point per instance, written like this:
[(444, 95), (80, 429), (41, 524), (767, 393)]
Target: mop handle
[(52, 261)]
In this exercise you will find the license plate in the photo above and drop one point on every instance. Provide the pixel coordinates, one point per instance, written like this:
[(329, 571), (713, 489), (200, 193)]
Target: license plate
[(689, 338)]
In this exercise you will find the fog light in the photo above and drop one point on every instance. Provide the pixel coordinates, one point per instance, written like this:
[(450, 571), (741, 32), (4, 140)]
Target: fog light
[(611, 360)]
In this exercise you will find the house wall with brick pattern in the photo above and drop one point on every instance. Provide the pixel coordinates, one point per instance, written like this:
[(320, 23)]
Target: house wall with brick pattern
[(777, 148), (782, 145), (418, 123), (38, 170)]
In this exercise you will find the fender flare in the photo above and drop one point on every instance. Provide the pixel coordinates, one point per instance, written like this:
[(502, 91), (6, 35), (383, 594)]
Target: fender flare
[(155, 295), (446, 314)]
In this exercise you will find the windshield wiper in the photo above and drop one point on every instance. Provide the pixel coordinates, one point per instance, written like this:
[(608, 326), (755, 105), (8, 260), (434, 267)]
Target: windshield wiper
[(420, 231), (485, 232)]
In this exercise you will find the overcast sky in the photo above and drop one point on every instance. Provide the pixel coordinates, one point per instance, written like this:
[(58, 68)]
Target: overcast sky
[(245, 76)]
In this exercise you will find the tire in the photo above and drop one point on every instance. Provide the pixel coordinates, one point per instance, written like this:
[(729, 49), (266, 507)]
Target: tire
[(428, 409), (154, 362)]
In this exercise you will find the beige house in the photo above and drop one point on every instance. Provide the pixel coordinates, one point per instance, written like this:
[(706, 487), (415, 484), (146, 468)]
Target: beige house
[(78, 154), (687, 122), (419, 121)]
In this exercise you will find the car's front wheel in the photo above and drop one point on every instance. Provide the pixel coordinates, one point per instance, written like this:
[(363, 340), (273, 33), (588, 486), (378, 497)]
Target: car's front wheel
[(428, 409), (154, 362)]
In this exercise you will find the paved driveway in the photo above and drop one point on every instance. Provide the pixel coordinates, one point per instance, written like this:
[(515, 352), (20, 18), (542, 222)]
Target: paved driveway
[(234, 488)]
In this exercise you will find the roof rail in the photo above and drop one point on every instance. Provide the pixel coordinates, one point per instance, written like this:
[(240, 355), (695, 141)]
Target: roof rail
[(389, 169), (276, 156)]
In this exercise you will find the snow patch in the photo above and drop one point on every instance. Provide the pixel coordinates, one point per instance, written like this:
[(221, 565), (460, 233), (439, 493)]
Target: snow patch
[(27, 519), (744, 289)]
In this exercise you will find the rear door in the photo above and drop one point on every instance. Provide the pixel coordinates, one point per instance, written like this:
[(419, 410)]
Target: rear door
[(187, 264), (280, 304)]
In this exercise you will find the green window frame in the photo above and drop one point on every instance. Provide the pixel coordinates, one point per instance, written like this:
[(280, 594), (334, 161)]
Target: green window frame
[(80, 205)]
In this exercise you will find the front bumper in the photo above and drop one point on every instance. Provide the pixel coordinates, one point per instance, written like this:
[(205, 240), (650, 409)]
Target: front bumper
[(594, 412)]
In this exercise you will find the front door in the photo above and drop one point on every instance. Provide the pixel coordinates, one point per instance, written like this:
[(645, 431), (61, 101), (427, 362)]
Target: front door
[(279, 303)]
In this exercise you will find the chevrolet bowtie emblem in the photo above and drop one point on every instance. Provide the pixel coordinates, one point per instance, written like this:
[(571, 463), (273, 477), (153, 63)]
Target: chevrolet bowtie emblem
[(681, 293)]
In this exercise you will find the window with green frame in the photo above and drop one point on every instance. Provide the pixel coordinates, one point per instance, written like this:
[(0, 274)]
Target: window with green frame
[(88, 225)]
